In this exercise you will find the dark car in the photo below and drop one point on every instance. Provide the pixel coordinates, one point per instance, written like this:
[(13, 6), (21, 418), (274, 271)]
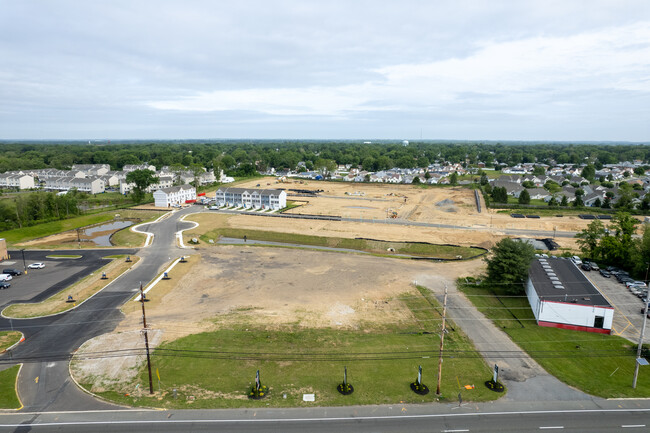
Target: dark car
[(4, 285), (12, 272), (605, 274), (585, 266)]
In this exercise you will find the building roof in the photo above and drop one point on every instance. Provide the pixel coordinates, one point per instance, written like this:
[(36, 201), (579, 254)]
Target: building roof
[(573, 288), (176, 188), (260, 191)]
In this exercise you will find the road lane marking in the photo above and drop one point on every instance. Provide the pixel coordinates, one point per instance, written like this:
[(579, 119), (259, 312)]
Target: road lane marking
[(457, 430), (552, 427), (319, 419), (633, 426), (36, 379)]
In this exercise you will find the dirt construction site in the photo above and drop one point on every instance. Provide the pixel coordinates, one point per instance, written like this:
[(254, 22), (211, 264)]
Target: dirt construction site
[(385, 203)]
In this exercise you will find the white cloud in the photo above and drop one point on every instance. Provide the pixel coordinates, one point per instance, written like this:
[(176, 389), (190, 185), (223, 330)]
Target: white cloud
[(528, 69)]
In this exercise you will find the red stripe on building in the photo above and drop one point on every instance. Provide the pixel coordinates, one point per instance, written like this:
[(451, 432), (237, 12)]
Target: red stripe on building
[(574, 327)]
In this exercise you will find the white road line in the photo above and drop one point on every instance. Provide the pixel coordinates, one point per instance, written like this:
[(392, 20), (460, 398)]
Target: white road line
[(451, 431), (633, 426), (318, 419), (552, 427)]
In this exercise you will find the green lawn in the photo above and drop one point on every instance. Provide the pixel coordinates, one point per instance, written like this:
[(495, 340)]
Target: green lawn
[(27, 233), (8, 397), (217, 368), (375, 247), (597, 364)]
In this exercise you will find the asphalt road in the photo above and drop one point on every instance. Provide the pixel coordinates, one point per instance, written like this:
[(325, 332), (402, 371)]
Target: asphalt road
[(44, 383), (386, 419)]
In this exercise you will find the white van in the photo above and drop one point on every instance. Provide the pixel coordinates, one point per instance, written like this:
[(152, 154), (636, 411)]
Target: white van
[(576, 260)]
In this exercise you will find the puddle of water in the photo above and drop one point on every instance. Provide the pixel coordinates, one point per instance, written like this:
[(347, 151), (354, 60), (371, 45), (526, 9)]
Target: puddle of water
[(103, 240), (360, 207)]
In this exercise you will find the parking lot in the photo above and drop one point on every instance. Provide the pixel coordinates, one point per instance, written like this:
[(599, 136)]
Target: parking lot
[(58, 273), (627, 307)]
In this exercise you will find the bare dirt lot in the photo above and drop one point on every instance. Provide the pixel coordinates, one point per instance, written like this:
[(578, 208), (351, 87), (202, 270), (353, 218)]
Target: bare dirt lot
[(273, 287)]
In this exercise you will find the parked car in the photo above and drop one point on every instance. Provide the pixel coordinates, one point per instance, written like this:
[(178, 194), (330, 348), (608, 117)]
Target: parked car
[(4, 285), (585, 266), (576, 260), (605, 273), (5, 277), (594, 267), (12, 272), (636, 284), (37, 265)]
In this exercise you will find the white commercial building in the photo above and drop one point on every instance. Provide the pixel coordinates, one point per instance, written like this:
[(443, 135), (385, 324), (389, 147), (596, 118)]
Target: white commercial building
[(251, 198), (175, 195), (562, 297)]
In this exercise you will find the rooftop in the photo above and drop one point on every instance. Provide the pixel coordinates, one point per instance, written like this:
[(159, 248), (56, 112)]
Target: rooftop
[(559, 280)]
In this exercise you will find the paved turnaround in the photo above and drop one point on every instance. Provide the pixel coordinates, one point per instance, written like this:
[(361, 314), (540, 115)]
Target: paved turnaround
[(54, 403)]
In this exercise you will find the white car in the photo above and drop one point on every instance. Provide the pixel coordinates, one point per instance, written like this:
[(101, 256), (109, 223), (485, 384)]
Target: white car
[(5, 277), (38, 265)]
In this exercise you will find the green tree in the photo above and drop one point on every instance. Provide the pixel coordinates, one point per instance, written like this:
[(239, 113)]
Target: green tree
[(524, 197), (639, 171), (416, 180), (484, 179), (552, 202), (589, 172), (589, 238), (508, 264), (538, 170), (453, 179), (325, 167), (607, 203), (141, 179), (564, 202), (597, 202)]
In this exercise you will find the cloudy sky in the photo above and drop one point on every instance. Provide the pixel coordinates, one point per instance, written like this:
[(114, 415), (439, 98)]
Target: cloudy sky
[(502, 70)]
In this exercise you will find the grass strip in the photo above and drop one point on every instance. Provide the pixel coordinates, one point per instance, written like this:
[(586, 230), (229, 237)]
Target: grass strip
[(382, 360), (370, 246), (63, 256), (46, 229), (80, 291), (8, 339), (8, 397), (601, 365)]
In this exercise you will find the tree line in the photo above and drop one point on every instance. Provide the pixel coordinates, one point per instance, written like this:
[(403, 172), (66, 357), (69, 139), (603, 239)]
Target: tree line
[(29, 209), (262, 154)]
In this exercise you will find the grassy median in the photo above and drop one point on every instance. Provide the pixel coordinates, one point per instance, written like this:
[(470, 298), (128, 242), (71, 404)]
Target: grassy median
[(8, 397), (80, 291), (597, 364), (8, 339)]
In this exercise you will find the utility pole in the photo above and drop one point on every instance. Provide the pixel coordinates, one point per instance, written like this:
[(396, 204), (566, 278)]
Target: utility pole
[(24, 264), (146, 339), (442, 340), (638, 350), (78, 239)]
